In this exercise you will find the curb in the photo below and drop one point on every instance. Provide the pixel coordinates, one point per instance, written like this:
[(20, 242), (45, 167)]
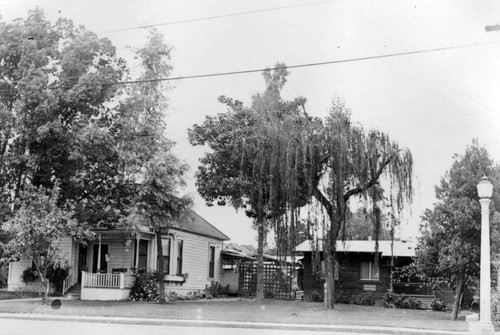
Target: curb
[(231, 324)]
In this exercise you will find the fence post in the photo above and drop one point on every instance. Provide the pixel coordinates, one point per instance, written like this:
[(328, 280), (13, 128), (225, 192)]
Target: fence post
[(122, 280), (84, 278)]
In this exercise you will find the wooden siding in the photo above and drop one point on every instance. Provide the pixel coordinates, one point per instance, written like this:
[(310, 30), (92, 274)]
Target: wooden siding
[(195, 261), (349, 276), (15, 281)]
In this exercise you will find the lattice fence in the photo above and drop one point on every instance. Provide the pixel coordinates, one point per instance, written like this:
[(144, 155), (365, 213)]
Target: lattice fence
[(277, 281)]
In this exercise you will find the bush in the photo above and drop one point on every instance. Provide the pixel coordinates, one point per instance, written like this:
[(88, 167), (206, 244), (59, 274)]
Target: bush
[(389, 300), (216, 290), (316, 296), (438, 305), (364, 299), (344, 297), (392, 300), (145, 287), (56, 275), (29, 275)]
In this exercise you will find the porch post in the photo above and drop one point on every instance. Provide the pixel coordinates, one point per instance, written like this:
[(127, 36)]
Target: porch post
[(99, 255), (137, 251), (122, 280), (84, 278)]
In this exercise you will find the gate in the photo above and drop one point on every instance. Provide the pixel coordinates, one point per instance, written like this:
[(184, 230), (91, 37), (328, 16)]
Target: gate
[(277, 280)]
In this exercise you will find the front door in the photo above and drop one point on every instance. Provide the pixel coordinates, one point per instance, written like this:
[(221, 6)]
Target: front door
[(82, 261), (104, 263)]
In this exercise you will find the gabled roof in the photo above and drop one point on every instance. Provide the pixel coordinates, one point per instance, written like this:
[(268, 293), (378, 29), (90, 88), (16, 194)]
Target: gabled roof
[(193, 223), (401, 248)]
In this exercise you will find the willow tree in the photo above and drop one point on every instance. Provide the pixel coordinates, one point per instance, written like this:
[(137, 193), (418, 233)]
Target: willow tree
[(249, 148), (354, 162)]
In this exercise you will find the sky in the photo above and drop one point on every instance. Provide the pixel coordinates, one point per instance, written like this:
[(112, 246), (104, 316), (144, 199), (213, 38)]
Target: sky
[(432, 102)]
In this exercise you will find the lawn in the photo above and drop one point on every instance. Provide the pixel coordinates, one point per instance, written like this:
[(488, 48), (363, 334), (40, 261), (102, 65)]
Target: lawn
[(249, 310), (5, 295)]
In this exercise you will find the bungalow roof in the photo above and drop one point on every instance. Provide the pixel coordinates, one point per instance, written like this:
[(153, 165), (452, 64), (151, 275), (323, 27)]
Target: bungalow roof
[(401, 248)]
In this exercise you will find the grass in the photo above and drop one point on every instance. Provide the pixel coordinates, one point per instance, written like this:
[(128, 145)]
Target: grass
[(248, 310), (6, 295)]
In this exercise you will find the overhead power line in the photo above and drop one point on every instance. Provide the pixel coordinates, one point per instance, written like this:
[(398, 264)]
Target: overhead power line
[(206, 18), (348, 60), (330, 62)]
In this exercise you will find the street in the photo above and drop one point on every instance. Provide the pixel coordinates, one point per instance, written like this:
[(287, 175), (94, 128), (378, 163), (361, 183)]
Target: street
[(45, 327)]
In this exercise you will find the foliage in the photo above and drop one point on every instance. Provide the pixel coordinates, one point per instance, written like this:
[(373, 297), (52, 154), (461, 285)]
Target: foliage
[(438, 305), (317, 296), (216, 290), (495, 306), (145, 287), (450, 239), (345, 297), (408, 274), (392, 300), (55, 116), (56, 274), (364, 299), (30, 275), (37, 228)]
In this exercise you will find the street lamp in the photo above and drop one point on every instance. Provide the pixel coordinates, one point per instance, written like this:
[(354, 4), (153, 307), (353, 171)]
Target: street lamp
[(485, 190)]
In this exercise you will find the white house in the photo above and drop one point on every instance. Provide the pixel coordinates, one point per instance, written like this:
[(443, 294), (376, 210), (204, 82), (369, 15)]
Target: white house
[(105, 267)]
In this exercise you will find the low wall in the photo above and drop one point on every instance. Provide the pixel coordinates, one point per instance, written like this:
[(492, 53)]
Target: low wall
[(93, 293)]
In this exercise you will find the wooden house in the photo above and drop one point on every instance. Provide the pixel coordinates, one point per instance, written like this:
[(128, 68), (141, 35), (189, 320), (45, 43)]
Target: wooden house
[(356, 270), (105, 268)]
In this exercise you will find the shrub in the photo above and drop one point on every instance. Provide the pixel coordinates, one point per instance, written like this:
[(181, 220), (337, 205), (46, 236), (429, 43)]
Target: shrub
[(216, 290), (344, 297), (316, 296), (145, 287), (364, 299), (389, 300), (392, 300), (29, 275), (56, 275), (268, 294), (438, 305)]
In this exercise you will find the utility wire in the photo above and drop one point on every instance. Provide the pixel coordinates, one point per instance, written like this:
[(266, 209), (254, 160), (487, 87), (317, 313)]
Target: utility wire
[(206, 18), (348, 60), (230, 73)]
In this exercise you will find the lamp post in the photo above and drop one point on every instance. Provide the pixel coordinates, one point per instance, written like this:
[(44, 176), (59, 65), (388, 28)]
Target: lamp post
[(485, 190)]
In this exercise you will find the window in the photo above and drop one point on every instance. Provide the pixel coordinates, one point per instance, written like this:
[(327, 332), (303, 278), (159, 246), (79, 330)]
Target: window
[(211, 262), (323, 270), (166, 255), (180, 245), (369, 271)]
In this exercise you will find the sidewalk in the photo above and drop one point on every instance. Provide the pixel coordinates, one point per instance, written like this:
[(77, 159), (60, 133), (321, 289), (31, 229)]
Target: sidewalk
[(232, 324), (241, 313)]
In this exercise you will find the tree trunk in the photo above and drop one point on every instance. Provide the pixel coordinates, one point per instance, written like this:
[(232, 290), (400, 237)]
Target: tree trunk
[(330, 280), (259, 294), (458, 293), (159, 266)]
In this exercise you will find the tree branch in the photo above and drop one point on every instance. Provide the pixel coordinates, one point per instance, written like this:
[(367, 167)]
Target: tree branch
[(370, 183)]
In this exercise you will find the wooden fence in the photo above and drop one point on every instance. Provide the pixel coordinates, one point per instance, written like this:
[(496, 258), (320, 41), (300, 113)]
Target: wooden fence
[(277, 281)]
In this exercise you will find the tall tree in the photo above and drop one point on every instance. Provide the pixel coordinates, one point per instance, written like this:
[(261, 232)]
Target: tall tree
[(345, 161), (248, 144), (451, 231), (148, 161)]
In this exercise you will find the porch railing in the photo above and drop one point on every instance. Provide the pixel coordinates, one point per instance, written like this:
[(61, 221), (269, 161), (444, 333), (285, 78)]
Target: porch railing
[(107, 280), (67, 283)]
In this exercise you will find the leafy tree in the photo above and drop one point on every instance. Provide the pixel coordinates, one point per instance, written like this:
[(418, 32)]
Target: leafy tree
[(148, 161), (56, 115), (244, 168), (37, 228), (346, 162), (451, 232)]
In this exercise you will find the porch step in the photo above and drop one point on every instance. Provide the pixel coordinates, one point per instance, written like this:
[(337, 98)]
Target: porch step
[(75, 292)]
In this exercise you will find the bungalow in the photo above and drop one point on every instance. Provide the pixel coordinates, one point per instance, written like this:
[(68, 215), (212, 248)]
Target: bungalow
[(356, 270), (105, 267)]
